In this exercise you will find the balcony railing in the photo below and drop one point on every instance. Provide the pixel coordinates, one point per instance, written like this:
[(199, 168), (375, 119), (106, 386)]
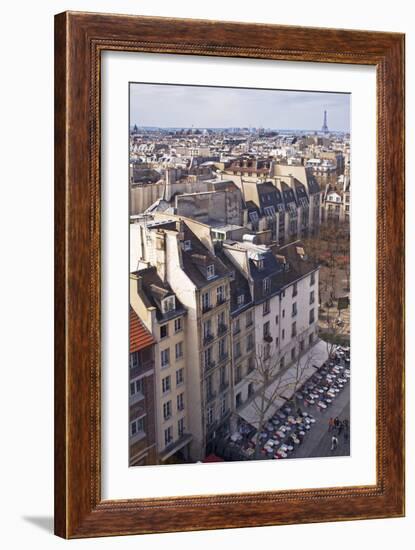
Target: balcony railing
[(206, 308), (222, 357), (220, 300), (222, 328), (208, 338), (267, 338), (209, 365)]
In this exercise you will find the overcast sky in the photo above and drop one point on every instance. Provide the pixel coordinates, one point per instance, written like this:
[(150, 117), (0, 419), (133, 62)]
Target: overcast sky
[(166, 105)]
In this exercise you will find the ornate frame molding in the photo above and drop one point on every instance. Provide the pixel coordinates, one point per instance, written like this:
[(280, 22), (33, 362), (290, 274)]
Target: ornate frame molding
[(79, 40)]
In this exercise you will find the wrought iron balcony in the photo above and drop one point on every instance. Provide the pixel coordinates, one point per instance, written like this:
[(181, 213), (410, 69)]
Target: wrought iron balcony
[(210, 365), (223, 357), (206, 308), (208, 338), (222, 328)]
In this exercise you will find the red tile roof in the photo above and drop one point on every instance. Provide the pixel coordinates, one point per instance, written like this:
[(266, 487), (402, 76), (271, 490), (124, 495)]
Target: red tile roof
[(140, 336)]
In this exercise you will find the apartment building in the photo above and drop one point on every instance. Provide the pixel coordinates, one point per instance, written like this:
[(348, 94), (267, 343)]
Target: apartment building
[(142, 439), (336, 202), (184, 258), (283, 284), (165, 317)]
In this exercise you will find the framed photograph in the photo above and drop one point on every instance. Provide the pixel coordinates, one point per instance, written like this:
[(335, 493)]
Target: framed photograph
[(229, 275)]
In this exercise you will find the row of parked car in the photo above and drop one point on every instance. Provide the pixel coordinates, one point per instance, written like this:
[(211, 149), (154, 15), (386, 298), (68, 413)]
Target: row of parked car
[(328, 381), (288, 427)]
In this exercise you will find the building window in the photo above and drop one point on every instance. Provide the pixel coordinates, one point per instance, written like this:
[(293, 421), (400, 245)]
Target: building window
[(294, 309), (168, 304), (178, 324), (180, 427), (294, 330), (222, 376), (134, 359), (136, 386), (137, 426), (205, 300), (282, 362), (265, 330), (179, 350), (312, 297), (282, 334), (164, 331), (283, 313), (167, 410), (250, 342), (293, 354), (207, 330), (187, 245), (267, 351), (180, 402), (250, 389), (179, 377), (223, 405), (266, 285), (237, 350), (210, 416), (238, 399), (221, 319), (222, 347), (266, 307), (241, 299), (168, 435), (276, 319), (165, 357), (249, 319), (220, 294), (312, 278), (210, 271), (208, 357), (236, 326), (311, 319), (251, 364), (295, 292), (166, 384), (301, 345)]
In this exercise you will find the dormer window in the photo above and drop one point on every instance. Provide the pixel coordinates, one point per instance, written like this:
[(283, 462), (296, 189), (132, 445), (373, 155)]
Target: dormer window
[(187, 245), (168, 304), (241, 299), (260, 264), (210, 271), (266, 285)]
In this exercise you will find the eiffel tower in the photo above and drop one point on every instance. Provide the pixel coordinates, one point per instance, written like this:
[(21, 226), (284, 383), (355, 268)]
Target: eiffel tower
[(325, 128)]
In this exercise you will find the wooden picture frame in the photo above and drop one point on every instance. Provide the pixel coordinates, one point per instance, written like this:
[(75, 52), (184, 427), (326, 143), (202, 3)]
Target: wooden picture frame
[(79, 40)]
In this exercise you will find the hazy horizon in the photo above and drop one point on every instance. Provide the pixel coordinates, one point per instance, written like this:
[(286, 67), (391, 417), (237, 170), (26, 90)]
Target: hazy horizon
[(183, 106)]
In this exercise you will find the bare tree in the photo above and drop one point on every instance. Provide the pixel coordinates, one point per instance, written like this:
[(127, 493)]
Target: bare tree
[(271, 381)]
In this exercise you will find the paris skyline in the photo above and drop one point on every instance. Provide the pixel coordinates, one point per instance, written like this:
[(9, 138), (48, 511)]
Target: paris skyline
[(175, 106)]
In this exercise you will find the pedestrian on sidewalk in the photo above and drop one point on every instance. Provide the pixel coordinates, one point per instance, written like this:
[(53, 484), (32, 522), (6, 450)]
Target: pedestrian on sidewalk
[(334, 442), (331, 424)]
